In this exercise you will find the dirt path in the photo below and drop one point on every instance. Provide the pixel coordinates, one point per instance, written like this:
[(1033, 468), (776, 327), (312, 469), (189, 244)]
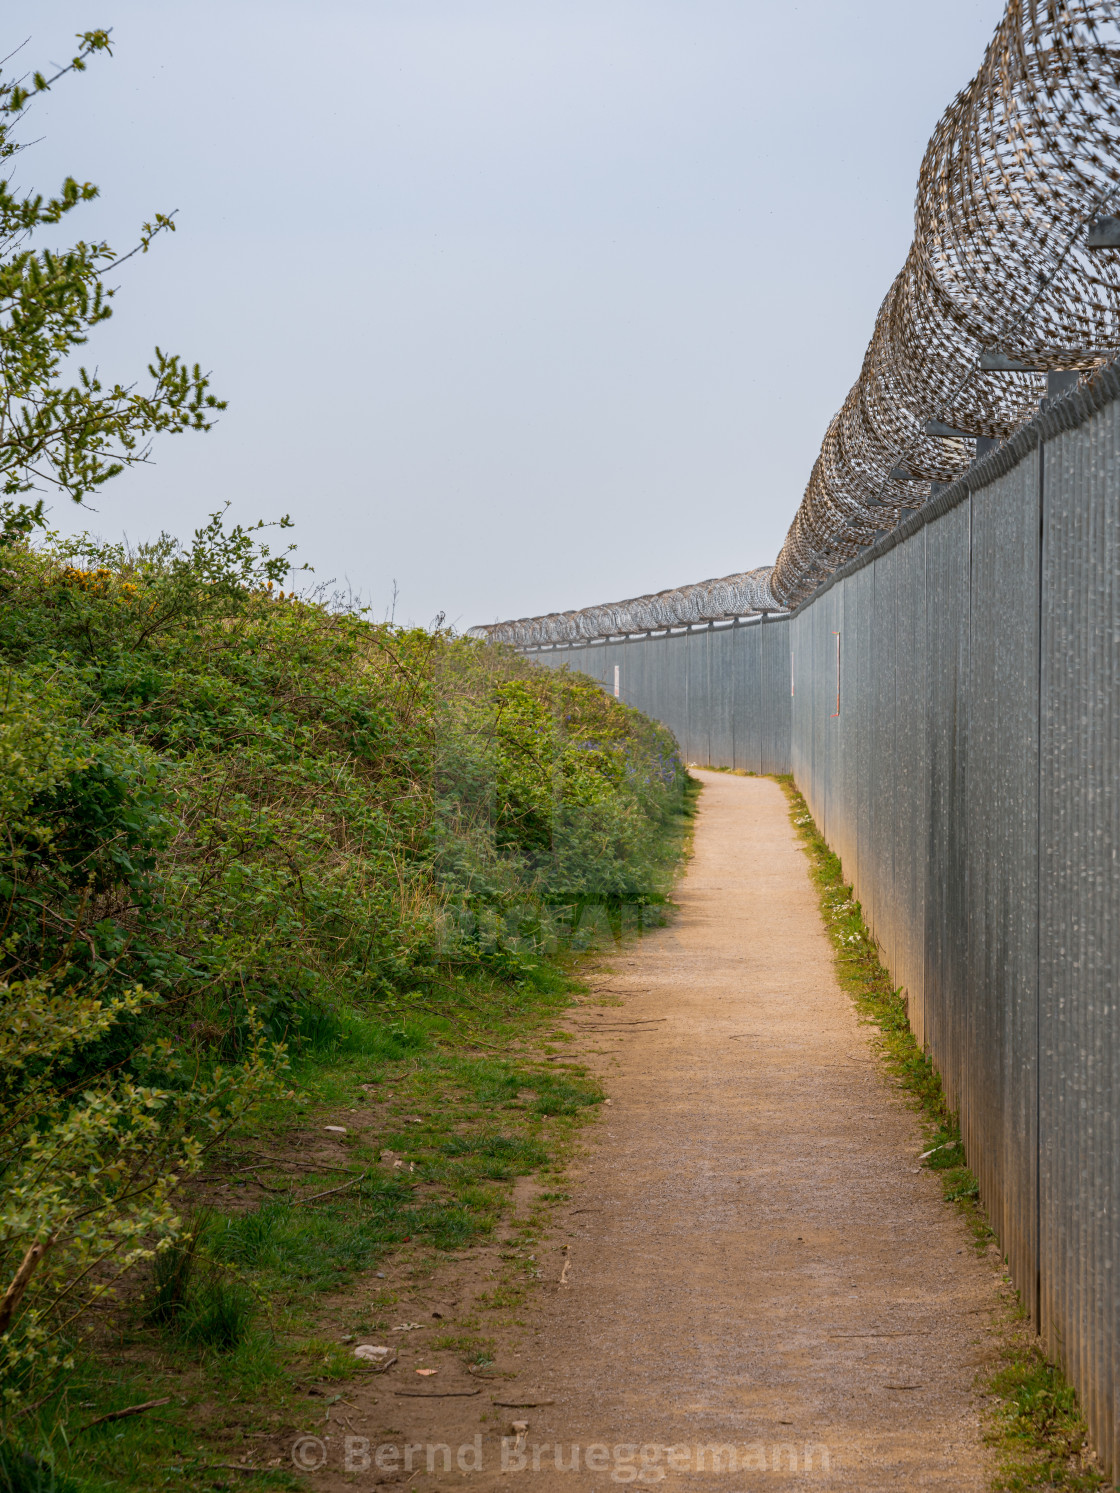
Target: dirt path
[(753, 1259), (767, 1265)]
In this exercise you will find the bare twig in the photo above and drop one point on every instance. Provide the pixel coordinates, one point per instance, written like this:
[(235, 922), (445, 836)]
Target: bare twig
[(265, 1185), (124, 1414), (606, 1026), (314, 1198), (308, 1166)]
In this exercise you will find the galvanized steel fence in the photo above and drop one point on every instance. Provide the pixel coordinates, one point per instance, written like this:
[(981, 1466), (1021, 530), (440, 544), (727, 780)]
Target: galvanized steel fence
[(967, 779), (722, 689), (955, 727)]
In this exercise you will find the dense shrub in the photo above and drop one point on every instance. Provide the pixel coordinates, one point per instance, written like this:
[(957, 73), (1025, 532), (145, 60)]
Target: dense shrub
[(234, 819)]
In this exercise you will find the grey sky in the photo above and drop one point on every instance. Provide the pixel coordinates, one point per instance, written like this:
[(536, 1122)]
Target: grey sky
[(525, 305)]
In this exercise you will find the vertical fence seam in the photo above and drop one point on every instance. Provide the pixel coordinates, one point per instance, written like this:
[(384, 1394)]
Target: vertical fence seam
[(1038, 909)]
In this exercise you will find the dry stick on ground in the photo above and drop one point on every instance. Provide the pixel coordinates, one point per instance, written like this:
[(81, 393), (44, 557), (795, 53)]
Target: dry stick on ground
[(123, 1414), (436, 1394), (315, 1196), (265, 1185), (308, 1166), (611, 1026), (35, 1404)]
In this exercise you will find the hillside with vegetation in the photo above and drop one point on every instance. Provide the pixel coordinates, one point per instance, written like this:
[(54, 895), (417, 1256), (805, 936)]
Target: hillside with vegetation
[(252, 843)]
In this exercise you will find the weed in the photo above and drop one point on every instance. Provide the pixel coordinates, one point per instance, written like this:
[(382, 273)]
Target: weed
[(173, 1271), (217, 1316), (475, 1350), (502, 1296), (1040, 1429)]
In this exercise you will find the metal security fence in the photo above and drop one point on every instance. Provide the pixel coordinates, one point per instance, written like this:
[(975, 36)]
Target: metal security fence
[(956, 732), (949, 704), (723, 689)]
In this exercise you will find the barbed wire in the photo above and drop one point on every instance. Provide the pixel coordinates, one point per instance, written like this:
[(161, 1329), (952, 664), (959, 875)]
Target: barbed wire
[(1000, 287), (1022, 161), (706, 601)]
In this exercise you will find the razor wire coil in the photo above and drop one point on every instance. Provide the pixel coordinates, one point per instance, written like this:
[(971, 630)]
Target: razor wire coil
[(705, 601), (999, 272)]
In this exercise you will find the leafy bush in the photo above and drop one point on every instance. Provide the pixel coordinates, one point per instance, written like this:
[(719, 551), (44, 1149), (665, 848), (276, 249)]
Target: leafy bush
[(239, 822), (580, 780), (103, 1108)]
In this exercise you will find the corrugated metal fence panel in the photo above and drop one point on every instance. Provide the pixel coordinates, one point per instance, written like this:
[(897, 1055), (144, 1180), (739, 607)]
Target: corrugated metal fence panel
[(970, 786), (1080, 932), (833, 720), (633, 677), (669, 698), (946, 914), (820, 694), (859, 673), (722, 691), (773, 647), (847, 736), (880, 688), (705, 713), (998, 1115), (876, 893), (802, 633), (819, 687), (721, 694), (913, 705), (746, 664)]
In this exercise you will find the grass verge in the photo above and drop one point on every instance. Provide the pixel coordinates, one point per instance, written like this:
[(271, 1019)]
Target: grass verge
[(292, 1223), (439, 1108), (1034, 1420)]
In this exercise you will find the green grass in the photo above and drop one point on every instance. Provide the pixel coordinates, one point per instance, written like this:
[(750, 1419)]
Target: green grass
[(1039, 1428), (1035, 1423), (232, 1336)]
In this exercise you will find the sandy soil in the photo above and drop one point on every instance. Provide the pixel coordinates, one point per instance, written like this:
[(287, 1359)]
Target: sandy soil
[(751, 1259)]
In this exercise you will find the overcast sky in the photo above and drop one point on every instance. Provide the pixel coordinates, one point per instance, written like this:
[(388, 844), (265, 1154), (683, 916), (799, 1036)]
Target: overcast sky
[(523, 304)]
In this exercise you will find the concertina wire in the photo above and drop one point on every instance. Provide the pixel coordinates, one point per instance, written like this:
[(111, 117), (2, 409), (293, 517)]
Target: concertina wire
[(1013, 274)]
